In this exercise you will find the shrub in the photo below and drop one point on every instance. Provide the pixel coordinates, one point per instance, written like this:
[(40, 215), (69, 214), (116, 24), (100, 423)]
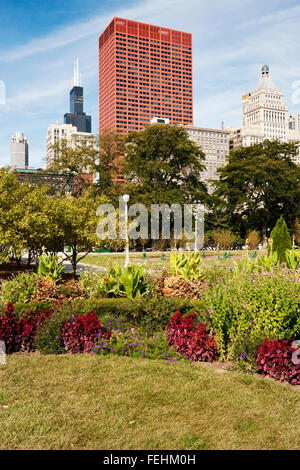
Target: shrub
[(274, 359), (20, 288), (80, 333), (253, 239), (128, 341), (251, 307), (223, 238), (19, 333), (50, 268), (281, 240), (195, 343)]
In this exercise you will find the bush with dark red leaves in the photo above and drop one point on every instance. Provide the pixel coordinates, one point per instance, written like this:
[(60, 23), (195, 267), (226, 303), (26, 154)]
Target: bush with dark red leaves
[(279, 360), (17, 333), (196, 343), (80, 334)]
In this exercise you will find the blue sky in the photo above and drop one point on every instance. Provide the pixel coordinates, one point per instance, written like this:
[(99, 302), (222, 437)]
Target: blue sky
[(39, 41)]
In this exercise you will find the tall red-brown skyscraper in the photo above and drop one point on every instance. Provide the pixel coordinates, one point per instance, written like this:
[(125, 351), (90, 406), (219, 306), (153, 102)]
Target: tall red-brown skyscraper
[(145, 71)]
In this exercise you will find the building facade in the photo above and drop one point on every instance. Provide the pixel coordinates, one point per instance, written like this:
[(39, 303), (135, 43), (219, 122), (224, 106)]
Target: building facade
[(144, 71), (63, 133), (215, 144), (294, 122), (19, 153), (76, 117), (265, 116)]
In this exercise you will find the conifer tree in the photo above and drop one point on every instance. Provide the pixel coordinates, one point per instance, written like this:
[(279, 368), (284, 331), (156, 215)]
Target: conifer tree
[(281, 239)]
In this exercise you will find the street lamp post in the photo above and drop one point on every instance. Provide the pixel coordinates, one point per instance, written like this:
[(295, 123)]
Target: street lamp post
[(126, 199)]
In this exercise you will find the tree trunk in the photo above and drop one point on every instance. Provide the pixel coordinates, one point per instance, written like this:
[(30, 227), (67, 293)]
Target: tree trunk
[(74, 261)]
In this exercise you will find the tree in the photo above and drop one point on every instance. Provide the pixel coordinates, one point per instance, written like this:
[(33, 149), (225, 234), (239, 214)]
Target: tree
[(78, 223), (258, 185), (11, 197), (164, 166), (297, 231), (281, 240), (97, 156), (28, 218)]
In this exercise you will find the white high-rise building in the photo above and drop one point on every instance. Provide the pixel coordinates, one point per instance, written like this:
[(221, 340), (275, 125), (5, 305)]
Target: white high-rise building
[(62, 132), (294, 122), (19, 151), (265, 116)]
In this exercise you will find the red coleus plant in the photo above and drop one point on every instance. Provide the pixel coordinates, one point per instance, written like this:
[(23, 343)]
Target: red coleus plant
[(17, 333), (195, 343), (80, 333), (279, 360)]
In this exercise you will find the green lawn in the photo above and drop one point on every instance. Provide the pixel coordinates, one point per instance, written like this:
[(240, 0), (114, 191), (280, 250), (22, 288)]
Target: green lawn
[(153, 262), (93, 402)]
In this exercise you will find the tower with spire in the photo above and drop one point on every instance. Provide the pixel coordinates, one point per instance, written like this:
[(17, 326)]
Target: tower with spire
[(76, 116)]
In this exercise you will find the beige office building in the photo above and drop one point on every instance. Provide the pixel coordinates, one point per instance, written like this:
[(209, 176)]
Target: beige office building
[(215, 145), (62, 132)]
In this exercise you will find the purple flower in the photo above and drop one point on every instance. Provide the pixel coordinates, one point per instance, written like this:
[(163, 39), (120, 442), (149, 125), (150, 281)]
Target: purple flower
[(244, 355), (143, 356)]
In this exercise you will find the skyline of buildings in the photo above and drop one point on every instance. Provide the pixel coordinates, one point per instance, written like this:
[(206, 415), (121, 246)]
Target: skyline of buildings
[(77, 124), (146, 73)]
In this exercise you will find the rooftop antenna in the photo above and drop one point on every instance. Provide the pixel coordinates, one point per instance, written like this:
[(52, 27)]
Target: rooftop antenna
[(76, 73)]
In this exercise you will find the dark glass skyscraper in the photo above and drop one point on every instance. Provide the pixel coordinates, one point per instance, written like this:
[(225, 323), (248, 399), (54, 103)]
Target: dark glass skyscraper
[(76, 116)]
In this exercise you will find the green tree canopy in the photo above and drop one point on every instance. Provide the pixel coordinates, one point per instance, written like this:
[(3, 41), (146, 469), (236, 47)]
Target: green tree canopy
[(164, 166), (258, 185)]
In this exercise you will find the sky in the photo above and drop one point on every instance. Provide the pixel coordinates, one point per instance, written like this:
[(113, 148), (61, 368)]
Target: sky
[(39, 41)]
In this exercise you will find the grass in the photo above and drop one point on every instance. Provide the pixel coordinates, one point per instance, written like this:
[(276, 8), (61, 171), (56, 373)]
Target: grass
[(93, 402), (153, 263)]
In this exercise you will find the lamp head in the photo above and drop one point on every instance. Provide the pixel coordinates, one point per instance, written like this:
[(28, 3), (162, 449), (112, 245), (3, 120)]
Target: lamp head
[(126, 198)]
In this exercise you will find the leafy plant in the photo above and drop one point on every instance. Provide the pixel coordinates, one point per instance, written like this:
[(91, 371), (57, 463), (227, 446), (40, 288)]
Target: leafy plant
[(118, 282), (188, 266), (195, 343), (17, 333), (133, 281), (80, 333), (293, 259), (20, 288), (274, 359), (50, 268), (259, 264)]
